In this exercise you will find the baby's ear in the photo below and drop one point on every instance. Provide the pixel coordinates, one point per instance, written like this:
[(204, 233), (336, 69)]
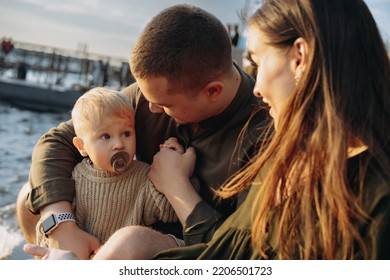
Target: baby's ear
[(79, 144)]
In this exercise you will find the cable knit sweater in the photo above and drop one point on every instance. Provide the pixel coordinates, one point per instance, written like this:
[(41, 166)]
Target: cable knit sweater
[(105, 201)]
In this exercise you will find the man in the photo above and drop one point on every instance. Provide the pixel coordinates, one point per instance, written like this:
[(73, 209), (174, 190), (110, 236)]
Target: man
[(187, 87)]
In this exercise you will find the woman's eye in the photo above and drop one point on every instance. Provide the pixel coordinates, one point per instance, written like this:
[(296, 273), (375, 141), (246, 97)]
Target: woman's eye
[(106, 136), (127, 134), (254, 65), (252, 62)]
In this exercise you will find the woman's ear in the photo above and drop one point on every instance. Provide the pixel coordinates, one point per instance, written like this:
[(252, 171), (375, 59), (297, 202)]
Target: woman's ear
[(79, 144), (300, 57)]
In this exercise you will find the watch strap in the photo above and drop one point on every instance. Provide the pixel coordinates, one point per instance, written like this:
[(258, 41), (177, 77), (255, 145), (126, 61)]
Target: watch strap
[(53, 220), (64, 216)]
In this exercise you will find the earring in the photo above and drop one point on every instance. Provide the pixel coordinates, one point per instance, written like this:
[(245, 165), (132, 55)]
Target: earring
[(296, 77)]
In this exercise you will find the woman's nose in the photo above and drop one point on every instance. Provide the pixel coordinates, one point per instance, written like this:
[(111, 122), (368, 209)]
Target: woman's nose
[(256, 92)]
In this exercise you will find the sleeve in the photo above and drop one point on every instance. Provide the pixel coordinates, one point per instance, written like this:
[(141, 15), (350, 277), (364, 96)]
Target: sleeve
[(204, 220), (157, 207), (375, 230), (201, 224), (78, 205), (377, 239), (53, 160)]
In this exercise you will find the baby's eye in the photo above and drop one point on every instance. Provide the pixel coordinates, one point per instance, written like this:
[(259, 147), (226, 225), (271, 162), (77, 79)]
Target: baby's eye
[(127, 134), (106, 136)]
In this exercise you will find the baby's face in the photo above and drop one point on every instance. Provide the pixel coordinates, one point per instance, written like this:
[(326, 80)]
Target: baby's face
[(102, 141)]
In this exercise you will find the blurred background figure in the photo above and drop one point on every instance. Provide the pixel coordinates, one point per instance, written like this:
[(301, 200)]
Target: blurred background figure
[(236, 36)]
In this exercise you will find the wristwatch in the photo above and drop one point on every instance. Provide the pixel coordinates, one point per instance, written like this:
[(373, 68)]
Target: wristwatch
[(51, 222)]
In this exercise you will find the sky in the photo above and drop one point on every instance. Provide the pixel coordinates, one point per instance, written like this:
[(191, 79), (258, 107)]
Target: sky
[(111, 27)]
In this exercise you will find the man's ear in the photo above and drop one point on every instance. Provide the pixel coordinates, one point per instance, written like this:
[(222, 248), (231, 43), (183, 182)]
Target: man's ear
[(214, 89), (79, 144), (300, 53)]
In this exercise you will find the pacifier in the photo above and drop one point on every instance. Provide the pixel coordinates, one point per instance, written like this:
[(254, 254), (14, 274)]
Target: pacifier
[(119, 161)]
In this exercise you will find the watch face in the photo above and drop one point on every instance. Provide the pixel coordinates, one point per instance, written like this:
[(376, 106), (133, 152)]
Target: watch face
[(48, 224)]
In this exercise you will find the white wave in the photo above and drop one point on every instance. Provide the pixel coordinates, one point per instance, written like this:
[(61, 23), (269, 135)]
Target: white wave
[(9, 240)]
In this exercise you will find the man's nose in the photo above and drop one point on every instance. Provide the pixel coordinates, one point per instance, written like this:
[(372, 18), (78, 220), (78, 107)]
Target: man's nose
[(155, 108)]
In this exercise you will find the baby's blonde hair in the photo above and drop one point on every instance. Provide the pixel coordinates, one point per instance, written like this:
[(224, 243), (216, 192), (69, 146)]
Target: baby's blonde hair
[(99, 103)]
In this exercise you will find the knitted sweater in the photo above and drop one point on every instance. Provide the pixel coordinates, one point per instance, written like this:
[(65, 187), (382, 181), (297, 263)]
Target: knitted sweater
[(105, 201)]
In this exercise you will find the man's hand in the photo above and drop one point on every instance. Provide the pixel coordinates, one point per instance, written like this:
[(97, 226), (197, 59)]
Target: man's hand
[(68, 236)]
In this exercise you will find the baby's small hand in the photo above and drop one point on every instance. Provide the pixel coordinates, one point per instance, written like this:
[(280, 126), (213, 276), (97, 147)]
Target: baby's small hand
[(173, 144)]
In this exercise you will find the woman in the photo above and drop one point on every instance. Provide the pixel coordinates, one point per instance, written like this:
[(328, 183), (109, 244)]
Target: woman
[(320, 189), (324, 192)]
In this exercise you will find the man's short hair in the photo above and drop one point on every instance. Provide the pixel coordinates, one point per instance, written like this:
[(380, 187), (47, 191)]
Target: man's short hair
[(185, 44)]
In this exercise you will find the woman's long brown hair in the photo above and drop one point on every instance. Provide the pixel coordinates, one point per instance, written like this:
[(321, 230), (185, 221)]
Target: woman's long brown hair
[(344, 94)]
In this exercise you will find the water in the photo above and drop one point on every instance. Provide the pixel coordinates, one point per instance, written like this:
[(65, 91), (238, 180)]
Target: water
[(19, 131)]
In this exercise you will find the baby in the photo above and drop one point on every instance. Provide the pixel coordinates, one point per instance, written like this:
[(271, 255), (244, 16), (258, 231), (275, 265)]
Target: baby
[(112, 188)]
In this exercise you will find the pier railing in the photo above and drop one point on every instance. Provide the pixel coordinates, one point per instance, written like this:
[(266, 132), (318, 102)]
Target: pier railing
[(59, 65)]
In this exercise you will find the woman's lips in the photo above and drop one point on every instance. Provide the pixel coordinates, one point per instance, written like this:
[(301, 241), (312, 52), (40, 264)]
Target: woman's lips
[(266, 101)]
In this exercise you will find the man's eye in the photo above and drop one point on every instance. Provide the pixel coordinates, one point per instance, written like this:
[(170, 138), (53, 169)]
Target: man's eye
[(106, 136), (127, 134)]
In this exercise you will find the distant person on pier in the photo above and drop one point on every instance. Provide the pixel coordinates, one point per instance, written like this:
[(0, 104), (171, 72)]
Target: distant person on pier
[(112, 189), (229, 29), (22, 71), (105, 73), (236, 36), (7, 46)]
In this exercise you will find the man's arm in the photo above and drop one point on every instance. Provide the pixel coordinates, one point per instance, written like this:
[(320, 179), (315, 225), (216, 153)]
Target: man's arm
[(67, 235), (53, 160), (52, 188)]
